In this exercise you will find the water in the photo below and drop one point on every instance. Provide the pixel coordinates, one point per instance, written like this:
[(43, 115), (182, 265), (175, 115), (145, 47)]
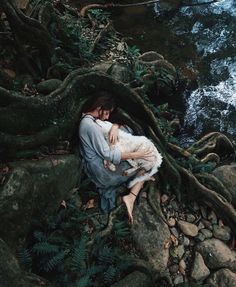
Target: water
[(203, 39)]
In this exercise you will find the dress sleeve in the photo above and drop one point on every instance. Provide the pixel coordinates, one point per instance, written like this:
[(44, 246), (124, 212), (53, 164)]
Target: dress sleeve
[(100, 145)]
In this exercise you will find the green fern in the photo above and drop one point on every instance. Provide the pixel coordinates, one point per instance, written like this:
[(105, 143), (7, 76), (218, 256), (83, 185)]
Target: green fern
[(106, 255), (84, 281), (54, 262), (110, 274), (44, 248), (79, 256), (24, 257)]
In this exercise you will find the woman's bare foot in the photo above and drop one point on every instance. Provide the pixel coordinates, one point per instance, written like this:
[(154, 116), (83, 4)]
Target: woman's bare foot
[(129, 202)]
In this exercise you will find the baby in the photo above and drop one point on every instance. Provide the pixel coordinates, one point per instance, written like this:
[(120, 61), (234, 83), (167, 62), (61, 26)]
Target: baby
[(130, 143)]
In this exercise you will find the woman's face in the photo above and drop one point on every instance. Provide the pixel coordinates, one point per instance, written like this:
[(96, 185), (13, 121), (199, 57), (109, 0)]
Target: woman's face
[(104, 114)]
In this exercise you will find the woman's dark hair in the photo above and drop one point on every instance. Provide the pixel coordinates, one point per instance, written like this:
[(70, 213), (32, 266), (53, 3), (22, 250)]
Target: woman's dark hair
[(103, 100)]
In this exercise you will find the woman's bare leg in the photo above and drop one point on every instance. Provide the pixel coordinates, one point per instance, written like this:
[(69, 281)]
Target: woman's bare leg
[(131, 197)]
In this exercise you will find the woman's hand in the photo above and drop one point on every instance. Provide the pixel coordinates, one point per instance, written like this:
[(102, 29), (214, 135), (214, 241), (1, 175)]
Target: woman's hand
[(113, 134), (143, 154)]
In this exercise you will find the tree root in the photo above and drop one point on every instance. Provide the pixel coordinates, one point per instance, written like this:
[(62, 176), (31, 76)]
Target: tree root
[(213, 142), (210, 181), (154, 201), (216, 201)]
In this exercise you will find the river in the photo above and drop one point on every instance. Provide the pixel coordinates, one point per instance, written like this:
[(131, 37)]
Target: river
[(202, 39)]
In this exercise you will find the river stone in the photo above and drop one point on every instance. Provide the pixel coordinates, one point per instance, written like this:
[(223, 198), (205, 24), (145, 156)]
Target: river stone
[(222, 233), (200, 270), (187, 228), (177, 252), (175, 232), (178, 279), (206, 232), (222, 278), (150, 234), (171, 221), (12, 275), (212, 217), (16, 206), (200, 237), (134, 279), (48, 86), (174, 268), (227, 174), (190, 218), (217, 254)]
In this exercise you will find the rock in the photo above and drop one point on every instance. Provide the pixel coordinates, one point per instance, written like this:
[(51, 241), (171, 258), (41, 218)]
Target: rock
[(178, 279), (150, 234), (174, 205), (207, 224), (11, 274), (195, 206), (216, 254), (171, 221), (200, 225), (32, 188), (120, 72), (182, 266), (200, 237), (227, 175), (175, 232), (190, 218), (206, 232), (174, 268), (200, 271), (134, 279), (222, 278), (177, 252), (16, 207), (187, 228), (48, 86), (212, 217), (222, 233), (164, 198), (186, 241)]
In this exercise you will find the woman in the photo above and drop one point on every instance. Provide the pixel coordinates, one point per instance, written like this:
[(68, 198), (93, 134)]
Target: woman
[(94, 150)]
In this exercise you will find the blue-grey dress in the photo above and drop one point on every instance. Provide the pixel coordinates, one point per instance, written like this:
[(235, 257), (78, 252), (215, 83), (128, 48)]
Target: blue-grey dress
[(94, 149)]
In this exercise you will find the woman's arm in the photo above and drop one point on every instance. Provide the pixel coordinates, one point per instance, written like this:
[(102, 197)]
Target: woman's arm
[(144, 154)]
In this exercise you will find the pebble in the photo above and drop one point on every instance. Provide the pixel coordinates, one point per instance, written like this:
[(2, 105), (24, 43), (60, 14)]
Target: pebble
[(221, 233), (200, 226), (200, 270), (187, 228), (175, 232), (174, 268), (212, 217), (206, 232), (164, 198), (190, 218), (171, 221), (178, 279)]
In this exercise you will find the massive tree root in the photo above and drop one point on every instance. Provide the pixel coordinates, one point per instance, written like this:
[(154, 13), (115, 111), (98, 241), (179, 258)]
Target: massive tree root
[(28, 123)]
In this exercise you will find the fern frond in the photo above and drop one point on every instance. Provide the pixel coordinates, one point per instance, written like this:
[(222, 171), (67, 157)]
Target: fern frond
[(44, 248), (40, 236), (110, 275), (106, 255), (84, 282), (79, 256), (53, 263), (24, 257)]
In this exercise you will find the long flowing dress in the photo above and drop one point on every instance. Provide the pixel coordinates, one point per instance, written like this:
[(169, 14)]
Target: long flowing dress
[(94, 149)]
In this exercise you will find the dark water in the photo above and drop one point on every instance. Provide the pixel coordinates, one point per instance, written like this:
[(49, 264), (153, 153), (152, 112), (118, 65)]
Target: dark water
[(201, 39)]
